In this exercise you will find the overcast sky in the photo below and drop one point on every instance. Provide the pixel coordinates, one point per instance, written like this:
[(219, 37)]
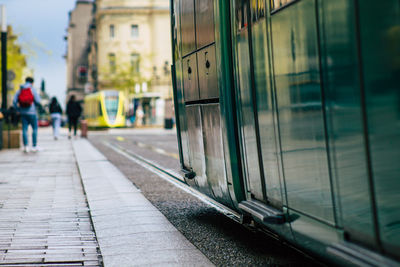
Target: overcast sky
[(41, 26)]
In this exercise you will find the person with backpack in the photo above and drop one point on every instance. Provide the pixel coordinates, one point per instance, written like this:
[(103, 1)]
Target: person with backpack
[(25, 101), (74, 111), (55, 114)]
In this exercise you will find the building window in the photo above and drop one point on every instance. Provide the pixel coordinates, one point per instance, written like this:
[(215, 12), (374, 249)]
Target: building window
[(166, 68), (112, 31), (111, 60), (134, 31), (135, 63)]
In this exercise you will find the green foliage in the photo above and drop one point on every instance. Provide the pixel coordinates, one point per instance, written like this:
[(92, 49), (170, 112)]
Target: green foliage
[(11, 126), (16, 60), (123, 76)]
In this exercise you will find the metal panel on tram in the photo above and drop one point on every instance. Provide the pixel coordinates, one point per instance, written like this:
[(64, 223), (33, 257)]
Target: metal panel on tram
[(207, 69)]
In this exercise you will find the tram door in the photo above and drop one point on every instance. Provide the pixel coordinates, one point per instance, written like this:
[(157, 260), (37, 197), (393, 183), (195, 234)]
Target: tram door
[(265, 103), (255, 106), (349, 168), (381, 70), (300, 105)]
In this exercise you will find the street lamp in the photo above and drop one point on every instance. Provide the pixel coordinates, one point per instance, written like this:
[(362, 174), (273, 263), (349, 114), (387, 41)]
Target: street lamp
[(4, 71), (3, 57)]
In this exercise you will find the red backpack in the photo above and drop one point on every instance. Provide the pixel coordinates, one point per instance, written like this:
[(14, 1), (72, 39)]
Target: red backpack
[(25, 98)]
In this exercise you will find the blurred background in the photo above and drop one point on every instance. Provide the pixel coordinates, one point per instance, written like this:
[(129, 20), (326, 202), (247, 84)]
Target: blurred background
[(83, 47)]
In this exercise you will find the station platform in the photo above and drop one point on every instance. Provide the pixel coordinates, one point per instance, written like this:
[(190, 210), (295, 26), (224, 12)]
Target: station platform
[(67, 205)]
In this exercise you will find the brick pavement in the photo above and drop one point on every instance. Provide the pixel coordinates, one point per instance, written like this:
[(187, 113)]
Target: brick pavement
[(49, 199), (44, 216)]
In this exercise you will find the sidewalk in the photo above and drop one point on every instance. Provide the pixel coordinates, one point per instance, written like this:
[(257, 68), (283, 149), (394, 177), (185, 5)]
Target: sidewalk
[(44, 217), (46, 200)]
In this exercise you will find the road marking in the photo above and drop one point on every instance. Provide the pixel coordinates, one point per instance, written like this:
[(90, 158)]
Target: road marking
[(153, 148), (173, 178), (156, 149), (120, 138)]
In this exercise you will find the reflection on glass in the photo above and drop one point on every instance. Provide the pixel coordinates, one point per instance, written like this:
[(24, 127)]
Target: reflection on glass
[(187, 27), (247, 121), (301, 119), (279, 3), (265, 111), (204, 22), (344, 116), (257, 10), (381, 78), (182, 115), (241, 14)]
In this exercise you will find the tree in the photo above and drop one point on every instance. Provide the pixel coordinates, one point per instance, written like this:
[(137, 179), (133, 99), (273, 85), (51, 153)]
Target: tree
[(16, 60), (123, 76)]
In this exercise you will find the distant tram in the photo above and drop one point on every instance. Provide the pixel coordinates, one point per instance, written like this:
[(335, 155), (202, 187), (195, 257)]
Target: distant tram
[(105, 109)]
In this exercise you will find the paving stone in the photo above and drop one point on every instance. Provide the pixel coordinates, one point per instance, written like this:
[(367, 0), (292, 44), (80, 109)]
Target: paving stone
[(44, 217), (158, 258), (43, 208), (90, 263), (129, 219), (137, 227)]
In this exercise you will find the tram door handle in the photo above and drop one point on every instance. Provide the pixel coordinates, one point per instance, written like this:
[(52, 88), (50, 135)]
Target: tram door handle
[(208, 64), (189, 70)]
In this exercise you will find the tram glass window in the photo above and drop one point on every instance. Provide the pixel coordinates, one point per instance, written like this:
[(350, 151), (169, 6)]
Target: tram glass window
[(111, 103), (204, 23), (300, 110), (100, 111)]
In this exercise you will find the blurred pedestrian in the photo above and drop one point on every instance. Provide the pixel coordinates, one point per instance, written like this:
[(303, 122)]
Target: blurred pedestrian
[(55, 114), (74, 111), (25, 101), (139, 116)]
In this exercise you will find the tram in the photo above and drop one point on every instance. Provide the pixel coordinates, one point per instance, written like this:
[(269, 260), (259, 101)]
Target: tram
[(105, 109), (288, 113)]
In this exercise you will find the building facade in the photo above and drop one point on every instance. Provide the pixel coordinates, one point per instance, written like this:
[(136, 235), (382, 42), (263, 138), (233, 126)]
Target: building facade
[(130, 51), (78, 48)]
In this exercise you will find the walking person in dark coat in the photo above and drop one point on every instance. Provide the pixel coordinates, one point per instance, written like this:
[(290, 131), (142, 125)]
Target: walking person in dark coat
[(74, 111)]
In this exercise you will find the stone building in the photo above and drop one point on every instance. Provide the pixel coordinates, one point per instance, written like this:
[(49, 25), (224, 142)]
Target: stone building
[(77, 48), (130, 50)]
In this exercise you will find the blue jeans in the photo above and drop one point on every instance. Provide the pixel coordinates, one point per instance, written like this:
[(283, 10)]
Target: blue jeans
[(28, 119), (56, 123)]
